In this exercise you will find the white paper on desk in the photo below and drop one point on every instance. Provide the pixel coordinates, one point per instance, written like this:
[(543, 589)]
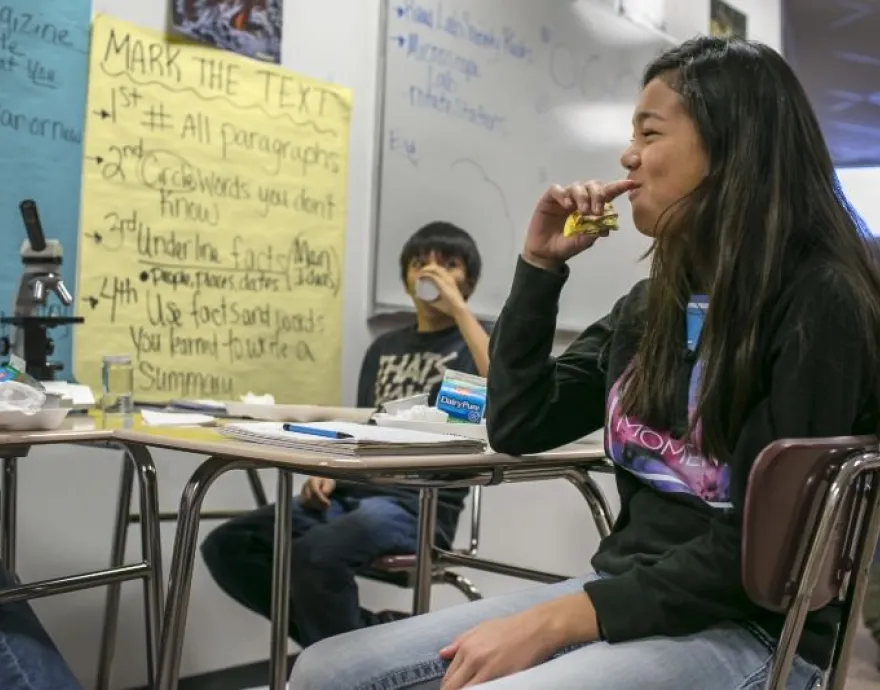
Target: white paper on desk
[(299, 413), (158, 418), (364, 439), (199, 405), (80, 394)]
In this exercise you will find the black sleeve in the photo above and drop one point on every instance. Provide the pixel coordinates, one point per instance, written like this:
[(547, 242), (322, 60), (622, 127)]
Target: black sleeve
[(815, 390), (537, 402), (366, 393)]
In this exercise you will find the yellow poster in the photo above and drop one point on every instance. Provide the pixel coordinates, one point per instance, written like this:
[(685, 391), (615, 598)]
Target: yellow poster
[(212, 229)]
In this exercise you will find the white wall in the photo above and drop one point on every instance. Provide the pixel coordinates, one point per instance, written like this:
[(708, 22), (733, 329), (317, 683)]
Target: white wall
[(861, 186), (67, 495)]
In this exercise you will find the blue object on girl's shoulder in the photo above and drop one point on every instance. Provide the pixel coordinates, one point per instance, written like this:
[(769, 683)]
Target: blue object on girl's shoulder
[(696, 315)]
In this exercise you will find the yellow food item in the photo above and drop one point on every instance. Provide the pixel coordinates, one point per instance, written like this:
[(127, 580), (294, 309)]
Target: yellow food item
[(580, 223)]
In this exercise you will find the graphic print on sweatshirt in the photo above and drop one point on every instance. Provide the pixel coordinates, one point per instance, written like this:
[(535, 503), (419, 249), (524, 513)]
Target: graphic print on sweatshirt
[(668, 464)]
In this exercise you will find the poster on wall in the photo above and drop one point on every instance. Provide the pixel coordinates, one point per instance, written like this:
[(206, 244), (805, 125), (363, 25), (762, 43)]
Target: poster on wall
[(650, 12), (217, 217), (727, 21), (248, 27)]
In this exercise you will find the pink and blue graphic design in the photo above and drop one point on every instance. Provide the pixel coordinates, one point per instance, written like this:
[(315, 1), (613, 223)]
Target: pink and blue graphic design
[(667, 464)]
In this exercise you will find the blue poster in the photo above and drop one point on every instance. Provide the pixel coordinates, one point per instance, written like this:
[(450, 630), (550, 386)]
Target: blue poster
[(43, 69)]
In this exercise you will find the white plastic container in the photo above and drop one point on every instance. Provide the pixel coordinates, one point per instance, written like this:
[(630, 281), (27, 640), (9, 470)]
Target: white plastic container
[(394, 407)]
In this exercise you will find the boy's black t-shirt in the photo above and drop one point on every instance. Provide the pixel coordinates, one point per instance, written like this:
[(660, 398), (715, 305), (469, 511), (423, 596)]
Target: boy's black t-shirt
[(405, 362), (401, 363)]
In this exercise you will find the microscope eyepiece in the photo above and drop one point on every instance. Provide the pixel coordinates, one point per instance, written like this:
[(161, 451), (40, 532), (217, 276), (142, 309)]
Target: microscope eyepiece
[(32, 224)]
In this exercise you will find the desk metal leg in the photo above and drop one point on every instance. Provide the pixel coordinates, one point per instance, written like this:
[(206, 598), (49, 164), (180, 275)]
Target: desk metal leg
[(151, 550), (425, 551), (117, 558), (281, 582), (253, 477), (9, 512), (602, 515), (182, 561)]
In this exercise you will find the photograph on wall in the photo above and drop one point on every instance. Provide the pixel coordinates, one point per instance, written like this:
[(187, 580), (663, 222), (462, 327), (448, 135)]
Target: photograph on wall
[(726, 21), (247, 27)]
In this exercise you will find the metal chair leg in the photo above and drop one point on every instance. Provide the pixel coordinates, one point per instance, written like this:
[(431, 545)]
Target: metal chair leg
[(858, 584), (117, 557), (425, 551), (462, 584), (9, 512), (781, 662)]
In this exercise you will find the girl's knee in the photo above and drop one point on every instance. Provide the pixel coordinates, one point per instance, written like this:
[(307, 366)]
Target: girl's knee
[(319, 668)]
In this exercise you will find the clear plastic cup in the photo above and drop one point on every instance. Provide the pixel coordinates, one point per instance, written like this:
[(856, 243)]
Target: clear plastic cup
[(117, 389), (427, 290)]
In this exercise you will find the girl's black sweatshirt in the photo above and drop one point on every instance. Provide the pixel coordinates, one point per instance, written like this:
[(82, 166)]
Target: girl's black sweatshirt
[(674, 552)]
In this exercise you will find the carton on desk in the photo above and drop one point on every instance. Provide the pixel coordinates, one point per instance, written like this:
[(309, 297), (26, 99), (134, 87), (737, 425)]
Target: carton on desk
[(462, 396)]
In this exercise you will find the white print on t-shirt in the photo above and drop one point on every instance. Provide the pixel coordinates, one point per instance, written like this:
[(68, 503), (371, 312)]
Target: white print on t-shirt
[(412, 373)]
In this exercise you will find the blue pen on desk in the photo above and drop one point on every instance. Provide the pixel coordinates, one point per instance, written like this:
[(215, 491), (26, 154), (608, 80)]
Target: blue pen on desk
[(316, 431)]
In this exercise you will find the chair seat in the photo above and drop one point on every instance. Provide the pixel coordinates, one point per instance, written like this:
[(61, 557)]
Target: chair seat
[(399, 570), (395, 563)]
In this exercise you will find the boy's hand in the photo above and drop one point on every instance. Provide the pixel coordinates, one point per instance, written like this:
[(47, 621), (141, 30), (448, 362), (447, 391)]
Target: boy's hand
[(315, 494), (451, 301)]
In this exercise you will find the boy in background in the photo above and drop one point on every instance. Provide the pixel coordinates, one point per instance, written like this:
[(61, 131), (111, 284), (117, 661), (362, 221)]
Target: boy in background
[(339, 528)]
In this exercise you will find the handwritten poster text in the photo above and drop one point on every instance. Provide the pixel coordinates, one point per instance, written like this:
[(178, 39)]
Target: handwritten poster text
[(213, 222)]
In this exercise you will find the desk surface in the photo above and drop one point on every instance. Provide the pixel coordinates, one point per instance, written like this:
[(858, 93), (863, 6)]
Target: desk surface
[(208, 441), (76, 429)]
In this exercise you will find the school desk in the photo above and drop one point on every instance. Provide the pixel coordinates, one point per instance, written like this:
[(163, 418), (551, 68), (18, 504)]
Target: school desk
[(85, 430), (428, 473)]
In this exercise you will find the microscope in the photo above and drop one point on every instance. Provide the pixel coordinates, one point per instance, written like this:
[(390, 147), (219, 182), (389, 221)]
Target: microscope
[(30, 339)]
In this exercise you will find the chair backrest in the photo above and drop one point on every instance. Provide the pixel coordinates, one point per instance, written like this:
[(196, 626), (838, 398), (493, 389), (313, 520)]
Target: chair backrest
[(784, 496)]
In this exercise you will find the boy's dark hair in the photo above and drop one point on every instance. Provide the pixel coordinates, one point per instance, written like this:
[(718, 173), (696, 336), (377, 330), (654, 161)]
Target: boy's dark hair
[(447, 240)]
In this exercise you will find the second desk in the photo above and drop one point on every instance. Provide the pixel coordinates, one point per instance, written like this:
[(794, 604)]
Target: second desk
[(429, 473)]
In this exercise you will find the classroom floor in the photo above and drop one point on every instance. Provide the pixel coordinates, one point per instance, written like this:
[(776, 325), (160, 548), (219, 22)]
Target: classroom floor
[(248, 677), (863, 672)]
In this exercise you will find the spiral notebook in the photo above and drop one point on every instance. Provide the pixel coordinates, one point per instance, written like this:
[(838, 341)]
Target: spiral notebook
[(362, 439)]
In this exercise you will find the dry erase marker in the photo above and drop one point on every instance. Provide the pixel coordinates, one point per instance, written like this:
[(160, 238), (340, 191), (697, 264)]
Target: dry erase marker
[(316, 431)]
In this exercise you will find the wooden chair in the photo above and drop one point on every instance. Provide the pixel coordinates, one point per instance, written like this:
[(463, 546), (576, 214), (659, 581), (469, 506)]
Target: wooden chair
[(810, 526)]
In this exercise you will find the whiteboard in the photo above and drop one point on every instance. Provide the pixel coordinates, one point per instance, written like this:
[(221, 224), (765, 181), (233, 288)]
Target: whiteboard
[(485, 105)]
